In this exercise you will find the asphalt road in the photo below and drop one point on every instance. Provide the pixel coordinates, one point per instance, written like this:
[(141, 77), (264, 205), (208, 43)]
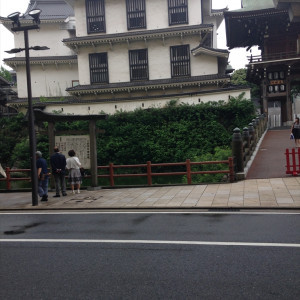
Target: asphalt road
[(149, 256)]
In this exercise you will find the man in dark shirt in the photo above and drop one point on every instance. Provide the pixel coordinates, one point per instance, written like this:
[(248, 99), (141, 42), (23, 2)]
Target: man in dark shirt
[(42, 172), (58, 165)]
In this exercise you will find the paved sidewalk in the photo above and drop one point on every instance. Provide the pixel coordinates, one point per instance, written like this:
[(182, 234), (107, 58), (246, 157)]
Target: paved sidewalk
[(251, 193)]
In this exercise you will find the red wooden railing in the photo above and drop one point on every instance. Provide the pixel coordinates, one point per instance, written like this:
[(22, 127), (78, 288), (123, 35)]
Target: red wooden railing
[(9, 178), (188, 164), (149, 174), (292, 161)]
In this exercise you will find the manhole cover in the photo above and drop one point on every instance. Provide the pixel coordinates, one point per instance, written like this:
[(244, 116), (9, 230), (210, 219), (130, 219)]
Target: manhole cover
[(81, 200)]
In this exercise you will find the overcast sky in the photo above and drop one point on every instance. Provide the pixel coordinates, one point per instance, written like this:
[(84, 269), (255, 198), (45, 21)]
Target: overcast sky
[(237, 57)]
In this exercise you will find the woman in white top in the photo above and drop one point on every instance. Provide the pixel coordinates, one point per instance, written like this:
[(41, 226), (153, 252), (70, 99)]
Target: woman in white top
[(73, 165), (295, 130)]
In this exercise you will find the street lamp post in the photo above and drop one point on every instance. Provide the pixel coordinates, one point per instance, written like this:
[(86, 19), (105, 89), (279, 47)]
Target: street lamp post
[(32, 138)]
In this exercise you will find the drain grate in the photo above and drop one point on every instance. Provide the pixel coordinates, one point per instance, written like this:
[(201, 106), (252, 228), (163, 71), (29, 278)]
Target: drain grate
[(224, 209)]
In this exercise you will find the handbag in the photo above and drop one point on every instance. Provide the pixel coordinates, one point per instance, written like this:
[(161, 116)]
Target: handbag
[(82, 172), (291, 136)]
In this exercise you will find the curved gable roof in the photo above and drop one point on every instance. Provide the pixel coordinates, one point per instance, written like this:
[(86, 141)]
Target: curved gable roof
[(51, 10)]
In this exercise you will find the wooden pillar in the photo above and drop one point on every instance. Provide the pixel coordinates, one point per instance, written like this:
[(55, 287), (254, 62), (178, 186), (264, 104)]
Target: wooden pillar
[(93, 153), (289, 109), (264, 97), (51, 137)]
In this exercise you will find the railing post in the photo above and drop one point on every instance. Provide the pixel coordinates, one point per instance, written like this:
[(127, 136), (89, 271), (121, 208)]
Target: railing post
[(294, 162), (288, 165), (188, 171), (231, 169), (258, 127), (111, 174), (261, 122), (149, 175), (237, 149), (251, 131), (255, 131), (8, 183), (246, 136)]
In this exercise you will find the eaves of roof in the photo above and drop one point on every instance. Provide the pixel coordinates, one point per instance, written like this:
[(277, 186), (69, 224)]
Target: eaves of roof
[(218, 12), (239, 14), (210, 51), (8, 23), (138, 35), (54, 9), (4, 82), (72, 59), (74, 100), (149, 85)]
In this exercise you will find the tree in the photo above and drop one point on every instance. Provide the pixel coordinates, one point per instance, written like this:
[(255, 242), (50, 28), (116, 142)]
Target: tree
[(5, 74), (239, 77)]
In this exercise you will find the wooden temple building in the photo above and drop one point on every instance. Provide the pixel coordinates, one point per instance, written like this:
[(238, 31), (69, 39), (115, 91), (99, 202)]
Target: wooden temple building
[(273, 26)]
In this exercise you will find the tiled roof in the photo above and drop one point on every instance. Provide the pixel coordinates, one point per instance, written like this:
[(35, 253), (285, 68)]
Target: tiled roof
[(257, 5), (141, 33), (4, 82), (218, 11), (75, 100), (150, 84), (55, 9), (41, 59), (210, 51)]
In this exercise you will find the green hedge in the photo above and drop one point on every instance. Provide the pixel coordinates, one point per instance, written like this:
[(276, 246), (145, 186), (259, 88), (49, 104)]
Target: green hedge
[(170, 134)]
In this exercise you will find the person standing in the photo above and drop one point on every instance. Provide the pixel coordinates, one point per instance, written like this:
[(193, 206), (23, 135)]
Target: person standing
[(73, 165), (42, 173), (58, 166), (295, 130)]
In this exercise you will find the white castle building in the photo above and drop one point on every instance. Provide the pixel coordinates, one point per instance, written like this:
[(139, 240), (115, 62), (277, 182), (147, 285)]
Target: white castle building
[(112, 55)]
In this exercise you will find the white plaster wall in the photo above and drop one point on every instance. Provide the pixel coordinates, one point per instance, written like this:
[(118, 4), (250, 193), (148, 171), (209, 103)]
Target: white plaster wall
[(158, 60), (113, 107), (50, 82), (80, 16), (49, 35), (116, 18)]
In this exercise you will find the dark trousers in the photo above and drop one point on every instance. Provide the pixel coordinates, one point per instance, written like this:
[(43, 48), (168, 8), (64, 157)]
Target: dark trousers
[(43, 187), (60, 183)]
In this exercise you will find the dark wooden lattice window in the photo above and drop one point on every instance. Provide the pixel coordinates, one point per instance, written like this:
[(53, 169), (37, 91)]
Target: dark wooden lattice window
[(95, 16), (136, 14), (138, 64), (98, 68), (178, 12), (180, 61)]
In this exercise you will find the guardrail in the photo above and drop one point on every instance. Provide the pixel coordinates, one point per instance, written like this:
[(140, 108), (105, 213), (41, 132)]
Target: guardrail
[(149, 174), (244, 144), (112, 175), (273, 56), (292, 161)]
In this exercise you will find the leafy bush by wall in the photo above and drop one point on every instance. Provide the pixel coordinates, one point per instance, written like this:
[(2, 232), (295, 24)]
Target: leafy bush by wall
[(170, 134)]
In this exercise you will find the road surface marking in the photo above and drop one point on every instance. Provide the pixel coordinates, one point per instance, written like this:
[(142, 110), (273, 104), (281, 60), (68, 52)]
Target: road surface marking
[(149, 212), (201, 243)]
